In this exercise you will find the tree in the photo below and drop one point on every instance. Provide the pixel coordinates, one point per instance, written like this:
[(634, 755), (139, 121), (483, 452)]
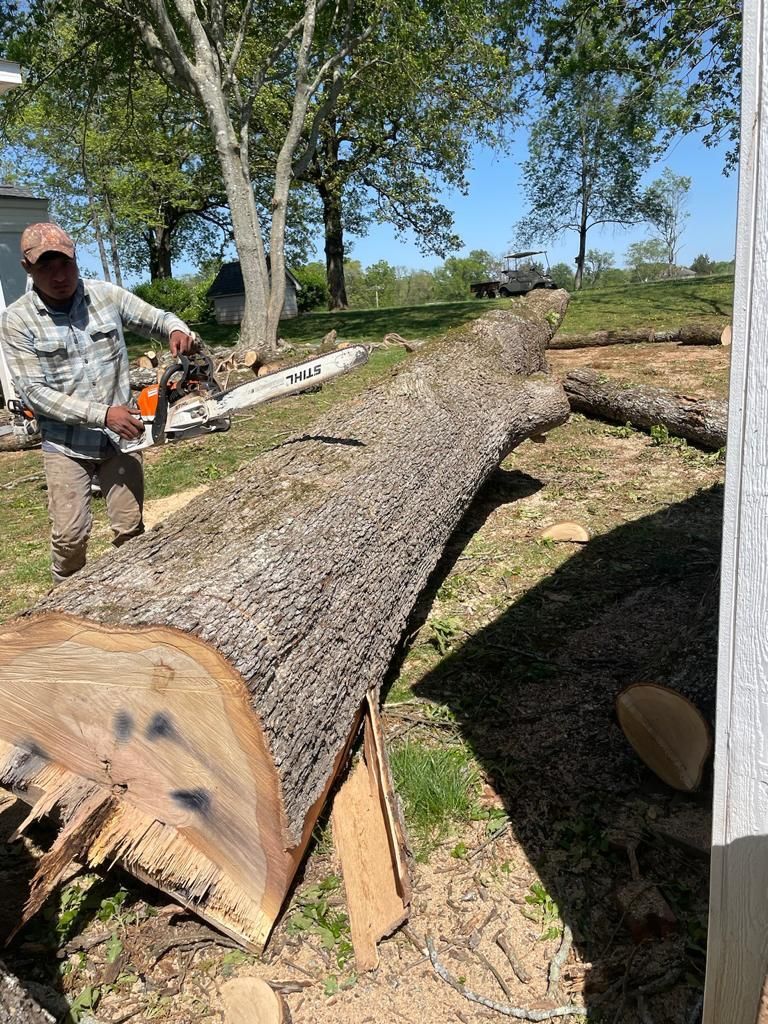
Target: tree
[(418, 96), (314, 293), (562, 275), (131, 164), (688, 55), (587, 152), (663, 206), (597, 263), (233, 58), (702, 264), (646, 259), (457, 273)]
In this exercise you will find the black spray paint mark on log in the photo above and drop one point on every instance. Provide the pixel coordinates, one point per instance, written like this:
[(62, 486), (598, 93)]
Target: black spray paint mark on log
[(162, 728), (197, 800), (123, 726)]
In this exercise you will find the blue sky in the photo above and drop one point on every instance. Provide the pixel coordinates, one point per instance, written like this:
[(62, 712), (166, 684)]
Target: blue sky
[(485, 217)]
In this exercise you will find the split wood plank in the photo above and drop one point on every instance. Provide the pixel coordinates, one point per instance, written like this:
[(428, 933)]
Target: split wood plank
[(371, 849)]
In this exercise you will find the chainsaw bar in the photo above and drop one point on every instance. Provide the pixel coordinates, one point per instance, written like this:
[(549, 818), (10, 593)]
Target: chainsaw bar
[(207, 413)]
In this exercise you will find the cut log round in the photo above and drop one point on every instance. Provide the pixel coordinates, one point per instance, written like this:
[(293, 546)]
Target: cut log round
[(668, 732), (703, 421), (566, 533), (688, 334), (726, 336), (210, 676), (252, 1001)]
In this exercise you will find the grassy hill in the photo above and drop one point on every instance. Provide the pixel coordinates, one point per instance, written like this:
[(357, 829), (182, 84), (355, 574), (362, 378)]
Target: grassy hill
[(659, 304)]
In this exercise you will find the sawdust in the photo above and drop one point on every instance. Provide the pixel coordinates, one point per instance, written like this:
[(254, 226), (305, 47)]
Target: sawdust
[(699, 370), (162, 508)]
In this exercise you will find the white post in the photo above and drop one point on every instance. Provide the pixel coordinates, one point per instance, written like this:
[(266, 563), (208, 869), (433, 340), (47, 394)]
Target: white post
[(10, 78), (738, 920)]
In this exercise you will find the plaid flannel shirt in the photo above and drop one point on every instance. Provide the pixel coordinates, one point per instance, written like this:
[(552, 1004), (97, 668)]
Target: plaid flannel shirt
[(70, 367)]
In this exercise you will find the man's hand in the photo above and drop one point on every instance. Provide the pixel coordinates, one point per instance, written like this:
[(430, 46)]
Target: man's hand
[(181, 343), (124, 422)]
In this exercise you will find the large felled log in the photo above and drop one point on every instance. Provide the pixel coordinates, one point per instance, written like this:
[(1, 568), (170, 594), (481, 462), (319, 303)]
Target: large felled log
[(701, 420), (185, 703), (688, 334)]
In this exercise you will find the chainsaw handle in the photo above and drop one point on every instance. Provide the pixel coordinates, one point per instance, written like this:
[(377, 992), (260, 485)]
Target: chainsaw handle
[(161, 415)]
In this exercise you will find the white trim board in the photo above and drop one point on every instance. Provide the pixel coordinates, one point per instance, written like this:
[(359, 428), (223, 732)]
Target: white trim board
[(738, 926)]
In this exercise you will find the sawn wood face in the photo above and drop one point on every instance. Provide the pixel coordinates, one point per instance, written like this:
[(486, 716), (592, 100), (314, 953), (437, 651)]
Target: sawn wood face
[(160, 720)]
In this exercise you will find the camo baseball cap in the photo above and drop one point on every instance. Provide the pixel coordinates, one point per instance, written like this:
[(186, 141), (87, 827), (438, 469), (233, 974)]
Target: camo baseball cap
[(45, 237)]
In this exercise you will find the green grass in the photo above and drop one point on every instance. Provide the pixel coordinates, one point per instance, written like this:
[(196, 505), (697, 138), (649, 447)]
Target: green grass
[(662, 304), (659, 304), (438, 787)]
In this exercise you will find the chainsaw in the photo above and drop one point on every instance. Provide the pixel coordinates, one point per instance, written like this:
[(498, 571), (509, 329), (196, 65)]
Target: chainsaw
[(187, 401)]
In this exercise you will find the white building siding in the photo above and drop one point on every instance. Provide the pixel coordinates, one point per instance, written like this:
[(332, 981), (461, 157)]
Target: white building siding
[(738, 917)]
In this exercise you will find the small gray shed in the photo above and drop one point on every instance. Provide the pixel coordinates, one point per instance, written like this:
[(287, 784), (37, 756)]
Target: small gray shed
[(18, 209), (228, 294)]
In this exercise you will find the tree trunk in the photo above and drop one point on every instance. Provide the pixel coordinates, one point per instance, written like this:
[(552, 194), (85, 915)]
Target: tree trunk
[(256, 331), (191, 698), (703, 421), (334, 248), (114, 250), (96, 224), (159, 244), (688, 334)]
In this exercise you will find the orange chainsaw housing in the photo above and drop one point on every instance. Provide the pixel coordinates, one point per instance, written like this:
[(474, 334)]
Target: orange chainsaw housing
[(147, 400)]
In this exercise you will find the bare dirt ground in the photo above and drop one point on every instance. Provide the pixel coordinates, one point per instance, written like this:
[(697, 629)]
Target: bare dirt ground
[(515, 657)]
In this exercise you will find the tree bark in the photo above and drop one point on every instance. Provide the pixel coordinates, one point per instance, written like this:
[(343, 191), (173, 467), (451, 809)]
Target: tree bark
[(334, 248), (16, 1005), (208, 677), (113, 247), (158, 240), (703, 421), (688, 334)]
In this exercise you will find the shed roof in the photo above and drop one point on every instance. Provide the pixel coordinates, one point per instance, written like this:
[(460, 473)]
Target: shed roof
[(229, 280), (14, 192)]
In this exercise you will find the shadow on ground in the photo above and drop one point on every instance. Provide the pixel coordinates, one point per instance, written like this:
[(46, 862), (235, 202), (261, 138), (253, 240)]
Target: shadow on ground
[(533, 695)]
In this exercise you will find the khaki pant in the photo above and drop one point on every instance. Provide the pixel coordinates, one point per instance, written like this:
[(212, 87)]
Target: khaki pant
[(121, 479)]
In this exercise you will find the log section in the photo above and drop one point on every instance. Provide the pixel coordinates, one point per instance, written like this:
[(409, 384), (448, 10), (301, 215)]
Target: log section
[(192, 695), (703, 421), (688, 334)]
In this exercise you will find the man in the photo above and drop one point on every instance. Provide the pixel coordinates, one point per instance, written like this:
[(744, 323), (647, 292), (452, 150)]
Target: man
[(63, 341)]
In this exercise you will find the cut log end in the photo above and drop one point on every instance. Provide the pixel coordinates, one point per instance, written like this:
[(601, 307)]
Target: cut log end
[(566, 533), (667, 732), (252, 1001), (161, 726)]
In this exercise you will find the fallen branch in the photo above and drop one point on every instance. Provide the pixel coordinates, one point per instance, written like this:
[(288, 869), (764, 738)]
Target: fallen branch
[(22, 480), (518, 1012), (487, 963), (701, 420), (688, 334), (514, 962), (556, 966)]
